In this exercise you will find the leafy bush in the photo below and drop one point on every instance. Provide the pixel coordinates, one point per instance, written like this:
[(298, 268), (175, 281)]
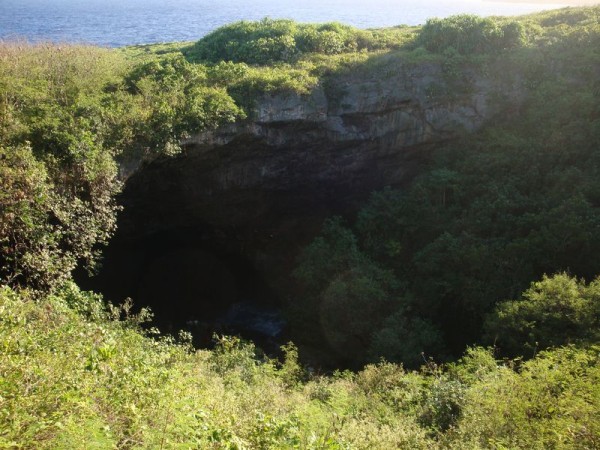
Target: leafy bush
[(67, 113), (270, 41), (76, 373), (251, 42), (405, 337), (489, 212), (46, 228), (555, 311), (178, 100), (55, 160), (469, 35), (443, 406), (552, 402), (269, 80), (360, 308)]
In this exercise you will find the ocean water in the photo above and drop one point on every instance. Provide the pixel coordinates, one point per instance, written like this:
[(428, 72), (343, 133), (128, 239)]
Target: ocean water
[(117, 23)]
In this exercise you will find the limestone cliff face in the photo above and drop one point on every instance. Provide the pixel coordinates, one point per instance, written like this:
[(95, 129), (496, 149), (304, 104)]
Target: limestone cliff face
[(414, 105), (260, 189)]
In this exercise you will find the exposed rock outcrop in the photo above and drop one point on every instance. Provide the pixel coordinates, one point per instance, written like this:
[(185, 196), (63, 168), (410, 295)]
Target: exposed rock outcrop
[(414, 105)]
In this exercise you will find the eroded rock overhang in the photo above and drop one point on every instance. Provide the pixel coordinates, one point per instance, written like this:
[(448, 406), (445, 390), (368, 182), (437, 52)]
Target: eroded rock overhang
[(259, 190)]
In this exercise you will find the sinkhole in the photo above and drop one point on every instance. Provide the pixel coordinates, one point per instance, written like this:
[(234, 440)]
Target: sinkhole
[(209, 238)]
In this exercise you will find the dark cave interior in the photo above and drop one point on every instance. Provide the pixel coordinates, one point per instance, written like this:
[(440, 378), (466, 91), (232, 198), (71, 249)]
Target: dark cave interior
[(190, 283)]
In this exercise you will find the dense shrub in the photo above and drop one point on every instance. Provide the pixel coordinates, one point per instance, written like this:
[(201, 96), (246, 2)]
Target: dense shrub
[(555, 311), (178, 99), (75, 376), (469, 35), (45, 229), (415, 275), (551, 402), (489, 212), (67, 113), (360, 308), (59, 177), (77, 373), (269, 41)]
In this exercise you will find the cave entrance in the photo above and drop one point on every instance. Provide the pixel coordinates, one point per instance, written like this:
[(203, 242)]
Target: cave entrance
[(209, 238), (191, 282)]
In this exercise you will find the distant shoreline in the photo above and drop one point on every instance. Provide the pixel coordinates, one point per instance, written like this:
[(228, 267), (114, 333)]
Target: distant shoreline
[(555, 2), (118, 23)]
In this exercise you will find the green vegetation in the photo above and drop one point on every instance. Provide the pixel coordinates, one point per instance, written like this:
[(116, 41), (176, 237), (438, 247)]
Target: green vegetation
[(488, 213), (426, 271), (271, 41), (58, 169), (552, 312), (67, 115), (74, 375), (469, 35)]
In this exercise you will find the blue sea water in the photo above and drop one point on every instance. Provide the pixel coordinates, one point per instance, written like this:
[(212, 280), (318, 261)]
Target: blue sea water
[(125, 22)]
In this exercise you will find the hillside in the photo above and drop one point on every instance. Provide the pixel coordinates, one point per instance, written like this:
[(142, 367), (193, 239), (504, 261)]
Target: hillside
[(420, 204)]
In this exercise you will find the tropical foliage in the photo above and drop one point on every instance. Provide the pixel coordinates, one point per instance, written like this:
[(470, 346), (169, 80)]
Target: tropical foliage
[(269, 41), (75, 373), (68, 114), (489, 212), (417, 277), (470, 35), (552, 312)]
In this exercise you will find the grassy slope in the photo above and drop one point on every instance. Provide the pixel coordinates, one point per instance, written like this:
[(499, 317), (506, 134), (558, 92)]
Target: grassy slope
[(74, 376)]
